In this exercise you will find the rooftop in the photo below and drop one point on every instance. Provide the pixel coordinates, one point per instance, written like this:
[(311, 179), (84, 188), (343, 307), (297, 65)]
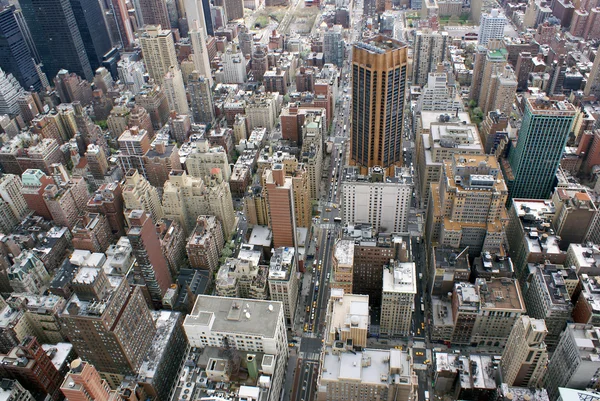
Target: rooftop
[(282, 264), (400, 277), (380, 44), (166, 322), (349, 310), (344, 252), (377, 175), (235, 315), (371, 366), (501, 293)]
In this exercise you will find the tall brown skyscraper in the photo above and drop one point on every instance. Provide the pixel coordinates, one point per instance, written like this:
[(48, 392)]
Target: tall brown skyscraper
[(378, 93), (108, 323)]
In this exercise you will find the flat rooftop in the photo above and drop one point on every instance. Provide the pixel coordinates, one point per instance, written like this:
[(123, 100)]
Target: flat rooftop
[(370, 366), (380, 44), (226, 315), (501, 294), (349, 310), (344, 252), (400, 278)]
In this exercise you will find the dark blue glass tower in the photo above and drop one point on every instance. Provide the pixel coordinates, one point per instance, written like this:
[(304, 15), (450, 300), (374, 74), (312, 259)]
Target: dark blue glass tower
[(15, 56), (92, 28)]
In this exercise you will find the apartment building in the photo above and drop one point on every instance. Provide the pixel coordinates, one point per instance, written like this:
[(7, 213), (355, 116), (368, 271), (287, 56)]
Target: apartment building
[(283, 281), (398, 299), (347, 318)]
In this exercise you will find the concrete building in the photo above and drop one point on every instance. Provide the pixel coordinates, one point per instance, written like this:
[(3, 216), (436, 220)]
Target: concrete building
[(186, 197), (575, 363), (262, 111), (584, 259), (11, 390), (397, 299), (531, 166), (151, 269), (430, 49), (201, 101), (28, 274), (333, 45), (347, 319), (439, 94), (158, 49), (92, 233), (376, 139), (40, 315), (312, 151), (548, 298), (12, 202), (205, 244), (243, 277), (574, 215), (234, 66), (84, 382), (491, 26), (175, 90), (108, 323), (377, 199), (342, 265), (133, 145), (10, 91), (467, 207), (138, 194), (530, 238), (525, 357), (447, 267), (283, 281), (587, 306), (202, 158), (199, 51), (367, 375), (218, 322), (280, 202), (439, 136)]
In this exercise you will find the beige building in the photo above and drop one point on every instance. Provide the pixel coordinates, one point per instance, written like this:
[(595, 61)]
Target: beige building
[(175, 90), (205, 244), (186, 197), (312, 151), (138, 194), (243, 277), (158, 49), (283, 281), (347, 318), (199, 50), (12, 202), (201, 158), (467, 206), (41, 314), (438, 137), (262, 111), (367, 375), (343, 265), (397, 299), (525, 357), (494, 81)]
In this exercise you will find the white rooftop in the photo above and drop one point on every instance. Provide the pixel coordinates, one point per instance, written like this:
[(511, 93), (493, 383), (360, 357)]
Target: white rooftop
[(344, 252), (401, 278)]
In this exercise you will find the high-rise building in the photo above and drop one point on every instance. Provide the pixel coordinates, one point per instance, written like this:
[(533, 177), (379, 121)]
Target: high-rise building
[(467, 207), (29, 363), (201, 101), (333, 46), (439, 94), (92, 28), (283, 281), (151, 268), (531, 166), (199, 51), (344, 375), (12, 202), (205, 244), (378, 104), (55, 31), (234, 66), (592, 86), (108, 322), (312, 151), (15, 57), (203, 158), (83, 382), (494, 81), (175, 90), (186, 197), (491, 26), (120, 13), (575, 363), (133, 145), (10, 91), (280, 201), (347, 318), (138, 194), (431, 49), (525, 356), (397, 299), (66, 199), (13, 391), (154, 12), (378, 199), (158, 49)]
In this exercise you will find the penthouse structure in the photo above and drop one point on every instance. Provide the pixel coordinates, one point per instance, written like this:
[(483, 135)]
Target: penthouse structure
[(347, 319), (397, 299)]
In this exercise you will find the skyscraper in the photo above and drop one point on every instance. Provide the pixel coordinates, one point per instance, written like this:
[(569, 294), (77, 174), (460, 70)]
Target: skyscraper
[(123, 23), (154, 12), (431, 48), (378, 88), (196, 11), (200, 53), (280, 200), (90, 20), (54, 30), (158, 49), (175, 91), (15, 57), (532, 164), (201, 101), (491, 26), (525, 356), (10, 91)]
